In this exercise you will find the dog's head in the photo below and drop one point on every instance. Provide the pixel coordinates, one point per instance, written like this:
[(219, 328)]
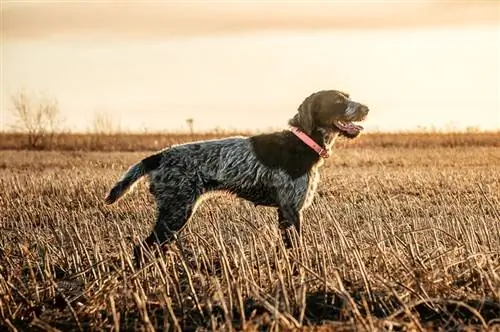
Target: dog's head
[(332, 111)]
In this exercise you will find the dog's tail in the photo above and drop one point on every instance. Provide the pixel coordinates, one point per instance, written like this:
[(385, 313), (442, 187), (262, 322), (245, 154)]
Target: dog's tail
[(133, 174)]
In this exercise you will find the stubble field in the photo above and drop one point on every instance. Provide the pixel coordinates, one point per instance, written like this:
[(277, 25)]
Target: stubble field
[(402, 238)]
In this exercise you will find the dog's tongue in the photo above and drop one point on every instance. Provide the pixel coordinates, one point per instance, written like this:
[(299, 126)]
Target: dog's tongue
[(350, 127), (353, 128)]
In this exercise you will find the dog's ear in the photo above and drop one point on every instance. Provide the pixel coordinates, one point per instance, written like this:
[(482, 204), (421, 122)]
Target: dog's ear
[(306, 116), (345, 94)]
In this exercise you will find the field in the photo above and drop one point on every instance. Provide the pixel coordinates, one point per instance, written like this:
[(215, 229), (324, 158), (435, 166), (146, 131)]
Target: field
[(404, 234)]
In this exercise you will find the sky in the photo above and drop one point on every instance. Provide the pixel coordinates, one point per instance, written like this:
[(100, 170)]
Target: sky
[(248, 65)]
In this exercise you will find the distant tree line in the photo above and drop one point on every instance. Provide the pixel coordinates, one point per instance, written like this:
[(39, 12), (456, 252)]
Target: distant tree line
[(39, 118), (38, 124)]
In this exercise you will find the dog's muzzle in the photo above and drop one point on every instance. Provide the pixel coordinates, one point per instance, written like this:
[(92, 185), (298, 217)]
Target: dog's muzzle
[(354, 112)]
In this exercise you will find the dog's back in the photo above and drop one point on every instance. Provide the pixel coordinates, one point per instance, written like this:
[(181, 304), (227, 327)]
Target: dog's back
[(215, 163)]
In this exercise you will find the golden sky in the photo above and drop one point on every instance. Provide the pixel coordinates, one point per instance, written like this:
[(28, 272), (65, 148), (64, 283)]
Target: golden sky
[(249, 64), (173, 18)]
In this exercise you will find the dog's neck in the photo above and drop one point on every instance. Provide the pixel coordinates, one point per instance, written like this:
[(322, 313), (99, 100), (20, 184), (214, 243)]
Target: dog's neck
[(323, 137)]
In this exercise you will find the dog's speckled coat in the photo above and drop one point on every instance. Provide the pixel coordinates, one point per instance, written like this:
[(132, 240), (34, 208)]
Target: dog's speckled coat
[(276, 169)]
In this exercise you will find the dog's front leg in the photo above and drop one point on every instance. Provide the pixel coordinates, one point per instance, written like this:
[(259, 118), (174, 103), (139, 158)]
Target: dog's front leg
[(289, 217)]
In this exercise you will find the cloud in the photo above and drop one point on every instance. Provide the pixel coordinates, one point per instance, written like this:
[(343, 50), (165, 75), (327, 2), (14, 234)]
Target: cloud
[(160, 20)]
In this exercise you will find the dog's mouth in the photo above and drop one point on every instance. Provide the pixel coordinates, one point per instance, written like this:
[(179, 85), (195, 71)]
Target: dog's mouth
[(348, 127)]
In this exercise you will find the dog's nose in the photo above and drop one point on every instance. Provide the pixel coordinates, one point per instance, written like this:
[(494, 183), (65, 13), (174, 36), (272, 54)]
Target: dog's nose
[(363, 109)]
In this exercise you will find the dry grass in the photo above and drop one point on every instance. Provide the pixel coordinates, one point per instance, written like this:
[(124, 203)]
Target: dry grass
[(155, 141), (401, 238)]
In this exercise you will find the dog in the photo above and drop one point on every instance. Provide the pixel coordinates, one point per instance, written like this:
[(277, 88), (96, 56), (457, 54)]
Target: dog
[(277, 169)]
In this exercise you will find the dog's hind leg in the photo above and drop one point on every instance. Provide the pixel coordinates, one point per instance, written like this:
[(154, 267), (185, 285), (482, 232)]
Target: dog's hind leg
[(175, 208)]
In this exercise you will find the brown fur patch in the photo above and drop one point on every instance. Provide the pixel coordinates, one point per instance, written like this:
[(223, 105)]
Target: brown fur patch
[(285, 151)]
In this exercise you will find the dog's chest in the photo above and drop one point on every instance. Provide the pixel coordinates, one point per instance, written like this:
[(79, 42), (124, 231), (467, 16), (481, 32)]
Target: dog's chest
[(311, 187)]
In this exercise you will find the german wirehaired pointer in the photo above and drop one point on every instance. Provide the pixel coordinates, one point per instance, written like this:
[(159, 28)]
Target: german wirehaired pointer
[(278, 169)]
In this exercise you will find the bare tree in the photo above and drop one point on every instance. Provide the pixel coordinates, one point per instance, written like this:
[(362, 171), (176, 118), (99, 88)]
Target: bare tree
[(104, 124), (38, 116)]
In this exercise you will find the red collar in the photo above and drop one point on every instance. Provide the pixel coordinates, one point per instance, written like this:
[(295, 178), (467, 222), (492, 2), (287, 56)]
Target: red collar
[(310, 142)]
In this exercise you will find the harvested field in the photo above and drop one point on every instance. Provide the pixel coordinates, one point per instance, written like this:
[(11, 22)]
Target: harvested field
[(399, 236)]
